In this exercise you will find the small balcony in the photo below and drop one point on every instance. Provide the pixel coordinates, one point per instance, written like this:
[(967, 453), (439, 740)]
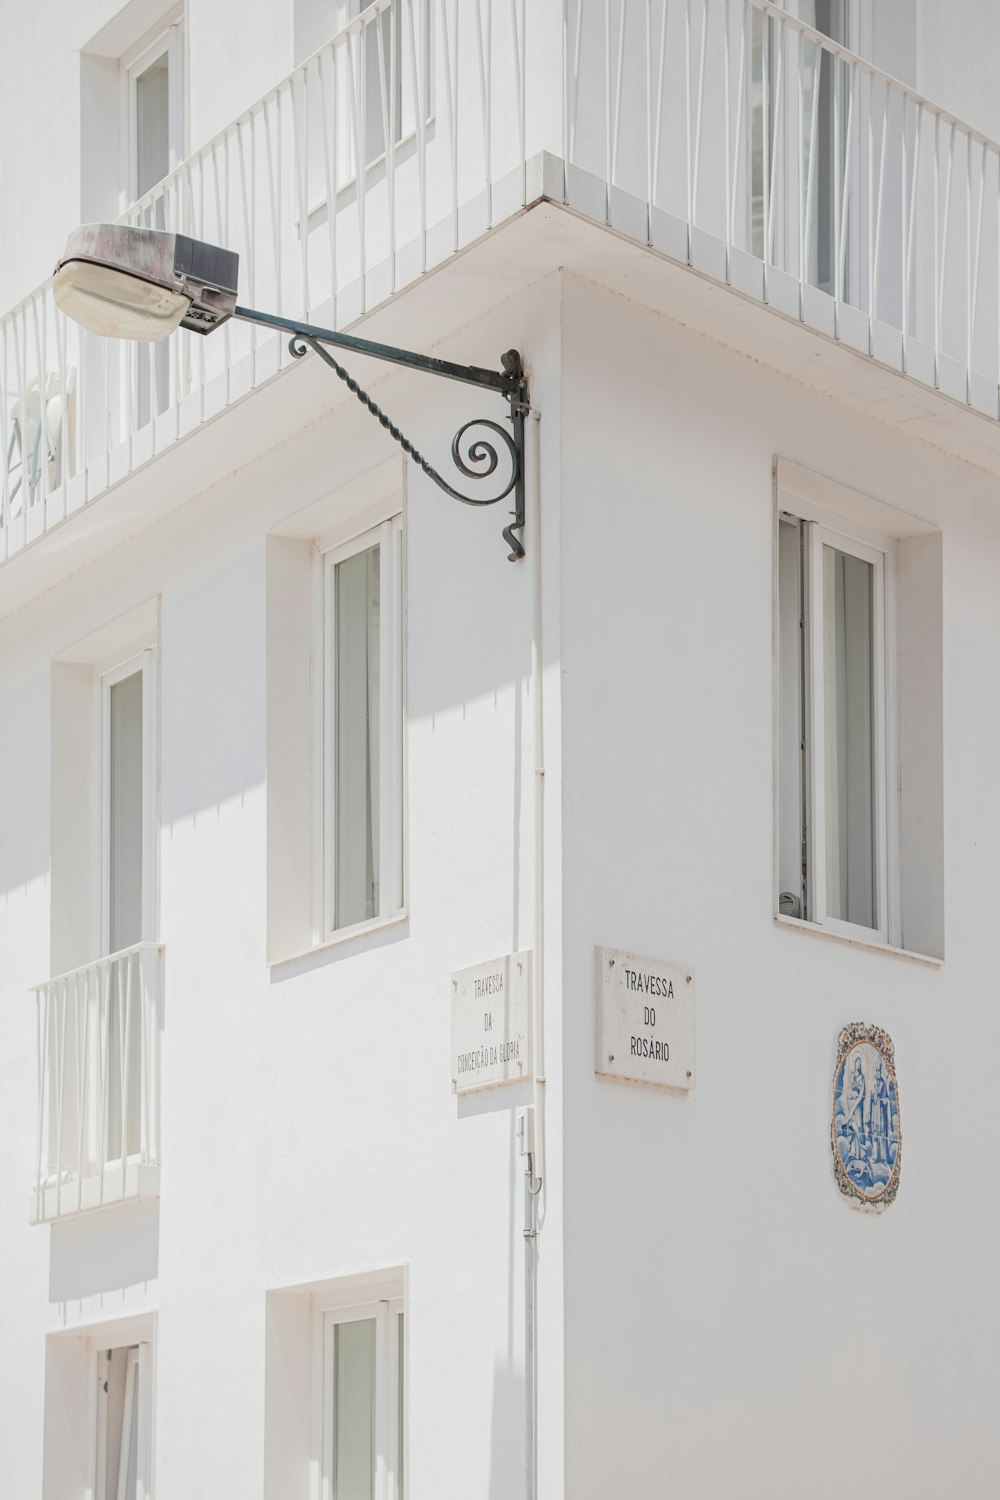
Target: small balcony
[(98, 1139), (723, 134)]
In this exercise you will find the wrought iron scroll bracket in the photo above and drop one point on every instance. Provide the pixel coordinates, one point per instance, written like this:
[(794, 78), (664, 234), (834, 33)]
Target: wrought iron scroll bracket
[(479, 448)]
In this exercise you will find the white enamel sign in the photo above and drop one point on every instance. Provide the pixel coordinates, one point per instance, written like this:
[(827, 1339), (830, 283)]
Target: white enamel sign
[(491, 1023), (645, 1019)]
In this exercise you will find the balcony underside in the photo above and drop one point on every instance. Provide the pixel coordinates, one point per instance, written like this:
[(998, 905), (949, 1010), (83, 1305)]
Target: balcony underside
[(270, 399)]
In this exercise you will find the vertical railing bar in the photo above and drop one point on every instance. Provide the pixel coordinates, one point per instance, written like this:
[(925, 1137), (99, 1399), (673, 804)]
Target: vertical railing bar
[(658, 137), (61, 328), (60, 1087), (765, 58), (104, 1022), (81, 1080), (300, 174), (394, 130), (619, 76), (44, 1136), (485, 106), (687, 118), (838, 173), (740, 96), (329, 124), (779, 117), (125, 1034), (939, 290), (799, 146), (417, 68), (146, 1038), (696, 168), (576, 77), (880, 201), (607, 110), (813, 138), (649, 110), (846, 188), (451, 90), (974, 300)]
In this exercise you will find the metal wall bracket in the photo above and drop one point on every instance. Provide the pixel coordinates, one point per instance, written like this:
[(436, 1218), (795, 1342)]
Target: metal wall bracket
[(477, 446)]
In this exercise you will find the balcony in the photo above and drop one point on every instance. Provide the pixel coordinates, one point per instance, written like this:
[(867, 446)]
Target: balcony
[(722, 134), (98, 1139)]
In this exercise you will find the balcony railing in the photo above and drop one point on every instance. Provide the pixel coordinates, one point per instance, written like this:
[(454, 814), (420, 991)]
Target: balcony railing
[(724, 133), (99, 1083), (730, 135), (398, 142)]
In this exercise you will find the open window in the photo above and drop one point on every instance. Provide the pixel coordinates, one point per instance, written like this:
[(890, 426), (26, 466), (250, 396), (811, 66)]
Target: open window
[(858, 666), (99, 1403)]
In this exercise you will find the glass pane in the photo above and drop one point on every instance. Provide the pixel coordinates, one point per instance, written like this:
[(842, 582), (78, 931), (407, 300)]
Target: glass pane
[(124, 752), (356, 738), (152, 125), (125, 874), (849, 732), (354, 1410), (791, 810)]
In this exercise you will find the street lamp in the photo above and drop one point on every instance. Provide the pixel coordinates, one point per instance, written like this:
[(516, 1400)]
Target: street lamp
[(141, 284)]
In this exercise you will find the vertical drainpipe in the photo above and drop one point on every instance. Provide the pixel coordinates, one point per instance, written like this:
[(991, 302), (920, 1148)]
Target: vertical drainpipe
[(534, 1166)]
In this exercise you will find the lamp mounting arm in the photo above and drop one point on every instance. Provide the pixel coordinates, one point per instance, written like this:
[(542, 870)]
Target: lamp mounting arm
[(477, 446)]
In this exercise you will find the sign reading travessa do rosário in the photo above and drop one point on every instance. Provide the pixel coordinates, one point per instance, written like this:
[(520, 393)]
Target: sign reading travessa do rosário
[(645, 1019), (491, 1023)]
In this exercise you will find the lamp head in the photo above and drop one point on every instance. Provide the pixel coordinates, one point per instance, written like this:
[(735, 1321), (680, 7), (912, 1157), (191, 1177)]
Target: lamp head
[(130, 283)]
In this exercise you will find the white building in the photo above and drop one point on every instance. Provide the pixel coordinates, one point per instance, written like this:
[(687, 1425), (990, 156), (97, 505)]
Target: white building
[(275, 707)]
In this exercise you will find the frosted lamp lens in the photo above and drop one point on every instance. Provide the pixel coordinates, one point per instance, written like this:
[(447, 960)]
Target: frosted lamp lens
[(115, 304)]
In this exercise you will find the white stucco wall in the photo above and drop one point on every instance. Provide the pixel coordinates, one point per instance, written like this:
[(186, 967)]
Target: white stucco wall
[(309, 1128), (733, 1327)]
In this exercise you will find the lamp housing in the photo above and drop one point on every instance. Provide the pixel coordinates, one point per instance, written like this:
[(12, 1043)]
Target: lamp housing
[(131, 283)]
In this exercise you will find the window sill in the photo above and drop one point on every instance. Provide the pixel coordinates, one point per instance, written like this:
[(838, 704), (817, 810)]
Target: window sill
[(858, 942), (349, 935)]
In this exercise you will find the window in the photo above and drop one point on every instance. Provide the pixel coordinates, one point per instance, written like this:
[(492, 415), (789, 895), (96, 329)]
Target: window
[(362, 1402), (335, 717), (858, 668), (99, 1397), (122, 1441), (153, 112), (833, 733), (362, 716), (335, 1389), (100, 1015)]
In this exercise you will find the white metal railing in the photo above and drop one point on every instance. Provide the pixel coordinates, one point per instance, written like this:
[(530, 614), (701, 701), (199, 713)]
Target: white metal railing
[(724, 131), (372, 161), (98, 1082), (749, 136)]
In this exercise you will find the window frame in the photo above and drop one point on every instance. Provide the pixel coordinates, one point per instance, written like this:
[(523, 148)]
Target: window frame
[(328, 552), (97, 1423), (823, 528), (166, 39), (390, 1369), (106, 676)]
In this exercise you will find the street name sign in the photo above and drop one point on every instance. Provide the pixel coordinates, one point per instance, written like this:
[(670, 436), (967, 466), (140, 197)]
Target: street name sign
[(491, 1024), (645, 1019)]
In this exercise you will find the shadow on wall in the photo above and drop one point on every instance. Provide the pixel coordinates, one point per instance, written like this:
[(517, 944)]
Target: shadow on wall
[(507, 1434), (102, 1253)]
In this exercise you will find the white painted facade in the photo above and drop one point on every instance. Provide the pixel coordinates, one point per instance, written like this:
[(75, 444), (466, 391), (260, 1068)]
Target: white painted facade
[(713, 1318)]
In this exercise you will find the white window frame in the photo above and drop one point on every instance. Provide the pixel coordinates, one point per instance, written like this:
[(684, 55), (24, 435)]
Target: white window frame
[(139, 1369), (328, 552), (106, 677), (822, 528), (168, 38), (389, 1378)]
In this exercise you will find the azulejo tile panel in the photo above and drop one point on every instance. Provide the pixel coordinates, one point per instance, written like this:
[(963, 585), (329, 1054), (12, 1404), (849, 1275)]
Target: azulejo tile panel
[(865, 1132)]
